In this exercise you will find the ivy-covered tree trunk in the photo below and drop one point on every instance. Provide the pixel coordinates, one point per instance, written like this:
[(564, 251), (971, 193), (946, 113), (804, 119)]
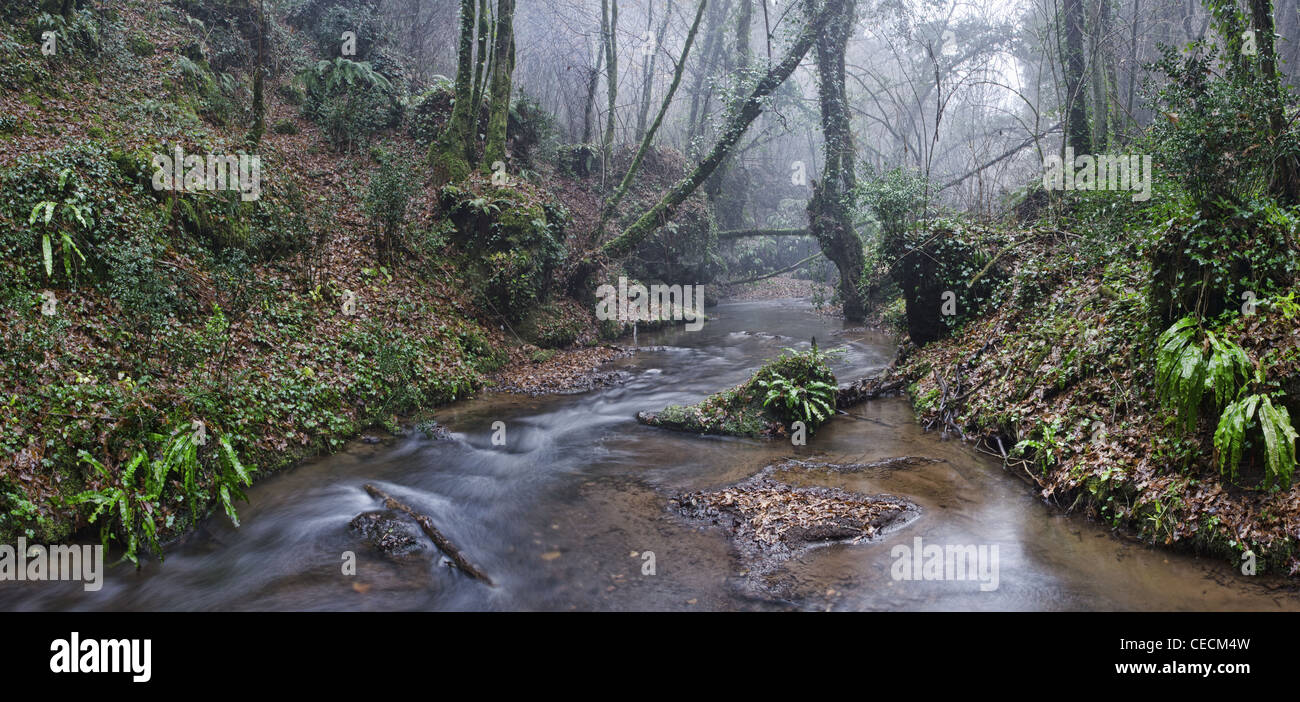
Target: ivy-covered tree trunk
[(730, 207), (451, 154), (1076, 114), (503, 67), (829, 210)]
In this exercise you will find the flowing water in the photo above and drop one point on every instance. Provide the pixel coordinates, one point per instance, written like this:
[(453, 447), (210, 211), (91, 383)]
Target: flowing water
[(561, 515)]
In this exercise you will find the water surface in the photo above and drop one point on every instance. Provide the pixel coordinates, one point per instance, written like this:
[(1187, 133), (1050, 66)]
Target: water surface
[(556, 515)]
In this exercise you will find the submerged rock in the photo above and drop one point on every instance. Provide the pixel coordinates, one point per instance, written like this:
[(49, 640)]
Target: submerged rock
[(388, 533), (433, 430)]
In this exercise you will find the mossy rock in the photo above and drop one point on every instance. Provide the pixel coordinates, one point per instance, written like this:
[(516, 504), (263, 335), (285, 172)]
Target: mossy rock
[(739, 411), (510, 239)]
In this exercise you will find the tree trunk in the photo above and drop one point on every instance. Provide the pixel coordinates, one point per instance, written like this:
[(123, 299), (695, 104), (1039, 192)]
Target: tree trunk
[(451, 154), (609, 19), (745, 233), (829, 216), (1101, 84), (503, 67), (744, 19), (592, 83), (1076, 130), (482, 65), (259, 104), (738, 121), (708, 58), (1284, 183), (647, 87)]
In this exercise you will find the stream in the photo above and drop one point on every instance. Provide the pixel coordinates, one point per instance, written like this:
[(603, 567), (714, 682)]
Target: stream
[(561, 515)]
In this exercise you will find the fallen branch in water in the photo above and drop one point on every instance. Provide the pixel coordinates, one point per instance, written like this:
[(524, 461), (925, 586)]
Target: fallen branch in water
[(869, 388), (432, 532), (765, 276)]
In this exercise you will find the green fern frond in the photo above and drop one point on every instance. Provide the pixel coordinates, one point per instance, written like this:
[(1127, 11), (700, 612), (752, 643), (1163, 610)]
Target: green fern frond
[(1279, 442)]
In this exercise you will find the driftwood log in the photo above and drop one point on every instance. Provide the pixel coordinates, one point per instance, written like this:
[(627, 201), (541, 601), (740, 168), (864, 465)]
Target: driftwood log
[(870, 388), (432, 532)]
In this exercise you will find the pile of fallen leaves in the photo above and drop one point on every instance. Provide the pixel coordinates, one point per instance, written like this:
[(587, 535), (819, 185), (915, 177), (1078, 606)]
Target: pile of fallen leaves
[(777, 517)]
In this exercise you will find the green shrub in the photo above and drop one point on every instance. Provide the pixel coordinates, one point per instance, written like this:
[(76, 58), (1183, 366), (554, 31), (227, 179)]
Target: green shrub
[(1204, 260), (556, 324), (532, 131), (795, 386), (138, 281), (291, 93), (578, 160), (1213, 113), (350, 100), (386, 201), (948, 261), (682, 251), (80, 34), (140, 45), (361, 18)]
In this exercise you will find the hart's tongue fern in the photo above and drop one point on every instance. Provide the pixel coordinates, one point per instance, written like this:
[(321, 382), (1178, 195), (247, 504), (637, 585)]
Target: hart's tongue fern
[(132, 506), (1185, 375)]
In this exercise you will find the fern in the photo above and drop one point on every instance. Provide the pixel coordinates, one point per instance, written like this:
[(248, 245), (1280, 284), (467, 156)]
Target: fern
[(328, 75), (123, 501), (1230, 436), (232, 475), (132, 509), (74, 210), (1183, 377), (1279, 438), (812, 403), (1184, 374), (1279, 443), (1181, 371), (1227, 371)]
